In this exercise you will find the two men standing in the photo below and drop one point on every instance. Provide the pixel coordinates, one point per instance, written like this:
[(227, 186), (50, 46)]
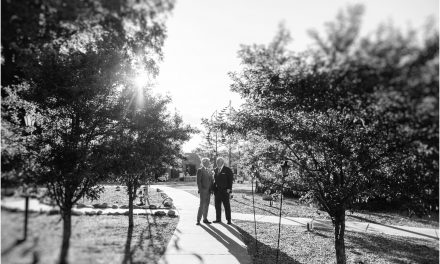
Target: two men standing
[(220, 184)]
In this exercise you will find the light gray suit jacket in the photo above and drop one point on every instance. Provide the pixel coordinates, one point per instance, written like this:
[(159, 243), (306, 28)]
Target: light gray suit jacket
[(204, 180)]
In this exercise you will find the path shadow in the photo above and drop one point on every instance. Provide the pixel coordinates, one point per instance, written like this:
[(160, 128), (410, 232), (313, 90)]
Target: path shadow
[(233, 247), (266, 254), (233, 229)]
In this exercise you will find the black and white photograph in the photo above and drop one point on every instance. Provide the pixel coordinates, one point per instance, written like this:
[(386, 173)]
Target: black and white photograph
[(219, 131)]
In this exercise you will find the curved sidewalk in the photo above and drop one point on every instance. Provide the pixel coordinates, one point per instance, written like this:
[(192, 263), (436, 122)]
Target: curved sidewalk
[(208, 244)]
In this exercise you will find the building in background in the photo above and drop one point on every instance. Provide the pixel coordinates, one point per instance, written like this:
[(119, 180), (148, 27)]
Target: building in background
[(186, 168)]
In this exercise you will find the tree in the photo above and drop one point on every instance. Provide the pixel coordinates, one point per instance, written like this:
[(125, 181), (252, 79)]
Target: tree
[(66, 61), (341, 109), (145, 140), (216, 136)]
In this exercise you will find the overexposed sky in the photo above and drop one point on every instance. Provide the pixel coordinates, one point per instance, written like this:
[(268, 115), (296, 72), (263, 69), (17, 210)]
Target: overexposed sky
[(204, 37)]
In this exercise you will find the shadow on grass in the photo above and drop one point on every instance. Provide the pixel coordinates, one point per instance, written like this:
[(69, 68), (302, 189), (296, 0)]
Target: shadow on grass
[(150, 244), (128, 252), (12, 246), (265, 253), (396, 249)]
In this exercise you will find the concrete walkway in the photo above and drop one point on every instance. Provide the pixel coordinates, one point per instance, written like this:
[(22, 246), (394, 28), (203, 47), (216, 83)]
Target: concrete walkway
[(210, 244)]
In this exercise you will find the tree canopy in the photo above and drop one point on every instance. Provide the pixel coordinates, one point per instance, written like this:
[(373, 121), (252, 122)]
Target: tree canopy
[(349, 111)]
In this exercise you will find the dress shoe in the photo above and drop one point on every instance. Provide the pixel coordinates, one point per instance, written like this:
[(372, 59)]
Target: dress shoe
[(229, 223), (217, 221), (206, 222), (198, 223)]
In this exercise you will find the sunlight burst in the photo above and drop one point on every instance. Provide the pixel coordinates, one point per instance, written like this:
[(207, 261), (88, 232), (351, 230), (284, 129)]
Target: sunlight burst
[(141, 79)]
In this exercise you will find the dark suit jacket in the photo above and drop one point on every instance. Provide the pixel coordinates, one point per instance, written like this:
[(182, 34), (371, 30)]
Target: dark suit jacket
[(223, 179)]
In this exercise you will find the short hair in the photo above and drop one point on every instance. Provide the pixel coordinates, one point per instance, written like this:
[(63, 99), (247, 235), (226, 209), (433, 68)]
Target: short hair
[(220, 158), (205, 159)]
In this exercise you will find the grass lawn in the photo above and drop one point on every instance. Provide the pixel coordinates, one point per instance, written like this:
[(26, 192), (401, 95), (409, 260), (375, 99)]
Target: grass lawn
[(95, 239), (299, 246), (242, 202)]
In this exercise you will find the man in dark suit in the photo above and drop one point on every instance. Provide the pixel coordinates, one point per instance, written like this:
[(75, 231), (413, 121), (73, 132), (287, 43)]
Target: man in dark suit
[(222, 190), (204, 184)]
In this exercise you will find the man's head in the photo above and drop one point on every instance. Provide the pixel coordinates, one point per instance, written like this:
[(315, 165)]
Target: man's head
[(205, 162), (220, 162)]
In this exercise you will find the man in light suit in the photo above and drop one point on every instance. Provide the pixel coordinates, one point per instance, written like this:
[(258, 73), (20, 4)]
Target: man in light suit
[(204, 184), (222, 190)]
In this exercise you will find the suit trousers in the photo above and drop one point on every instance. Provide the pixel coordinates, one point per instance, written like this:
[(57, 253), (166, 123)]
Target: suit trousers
[(205, 196), (222, 196)]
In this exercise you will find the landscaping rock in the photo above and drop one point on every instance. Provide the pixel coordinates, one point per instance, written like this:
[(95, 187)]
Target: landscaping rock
[(123, 207), (267, 197), (171, 213), (53, 212), (90, 213), (101, 206), (152, 206), (77, 212), (159, 190), (12, 210), (160, 213), (99, 212), (168, 204), (115, 206), (80, 205), (125, 213)]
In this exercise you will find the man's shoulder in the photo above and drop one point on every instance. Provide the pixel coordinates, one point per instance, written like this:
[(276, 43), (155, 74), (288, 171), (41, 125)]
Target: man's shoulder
[(228, 169)]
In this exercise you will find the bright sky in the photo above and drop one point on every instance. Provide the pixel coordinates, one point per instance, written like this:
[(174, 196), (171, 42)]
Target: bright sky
[(204, 37)]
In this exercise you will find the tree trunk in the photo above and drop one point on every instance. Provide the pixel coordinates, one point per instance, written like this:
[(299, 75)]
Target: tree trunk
[(67, 230), (339, 236), (130, 205)]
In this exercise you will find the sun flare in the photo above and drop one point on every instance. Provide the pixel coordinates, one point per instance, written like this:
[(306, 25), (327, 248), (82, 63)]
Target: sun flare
[(141, 79)]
